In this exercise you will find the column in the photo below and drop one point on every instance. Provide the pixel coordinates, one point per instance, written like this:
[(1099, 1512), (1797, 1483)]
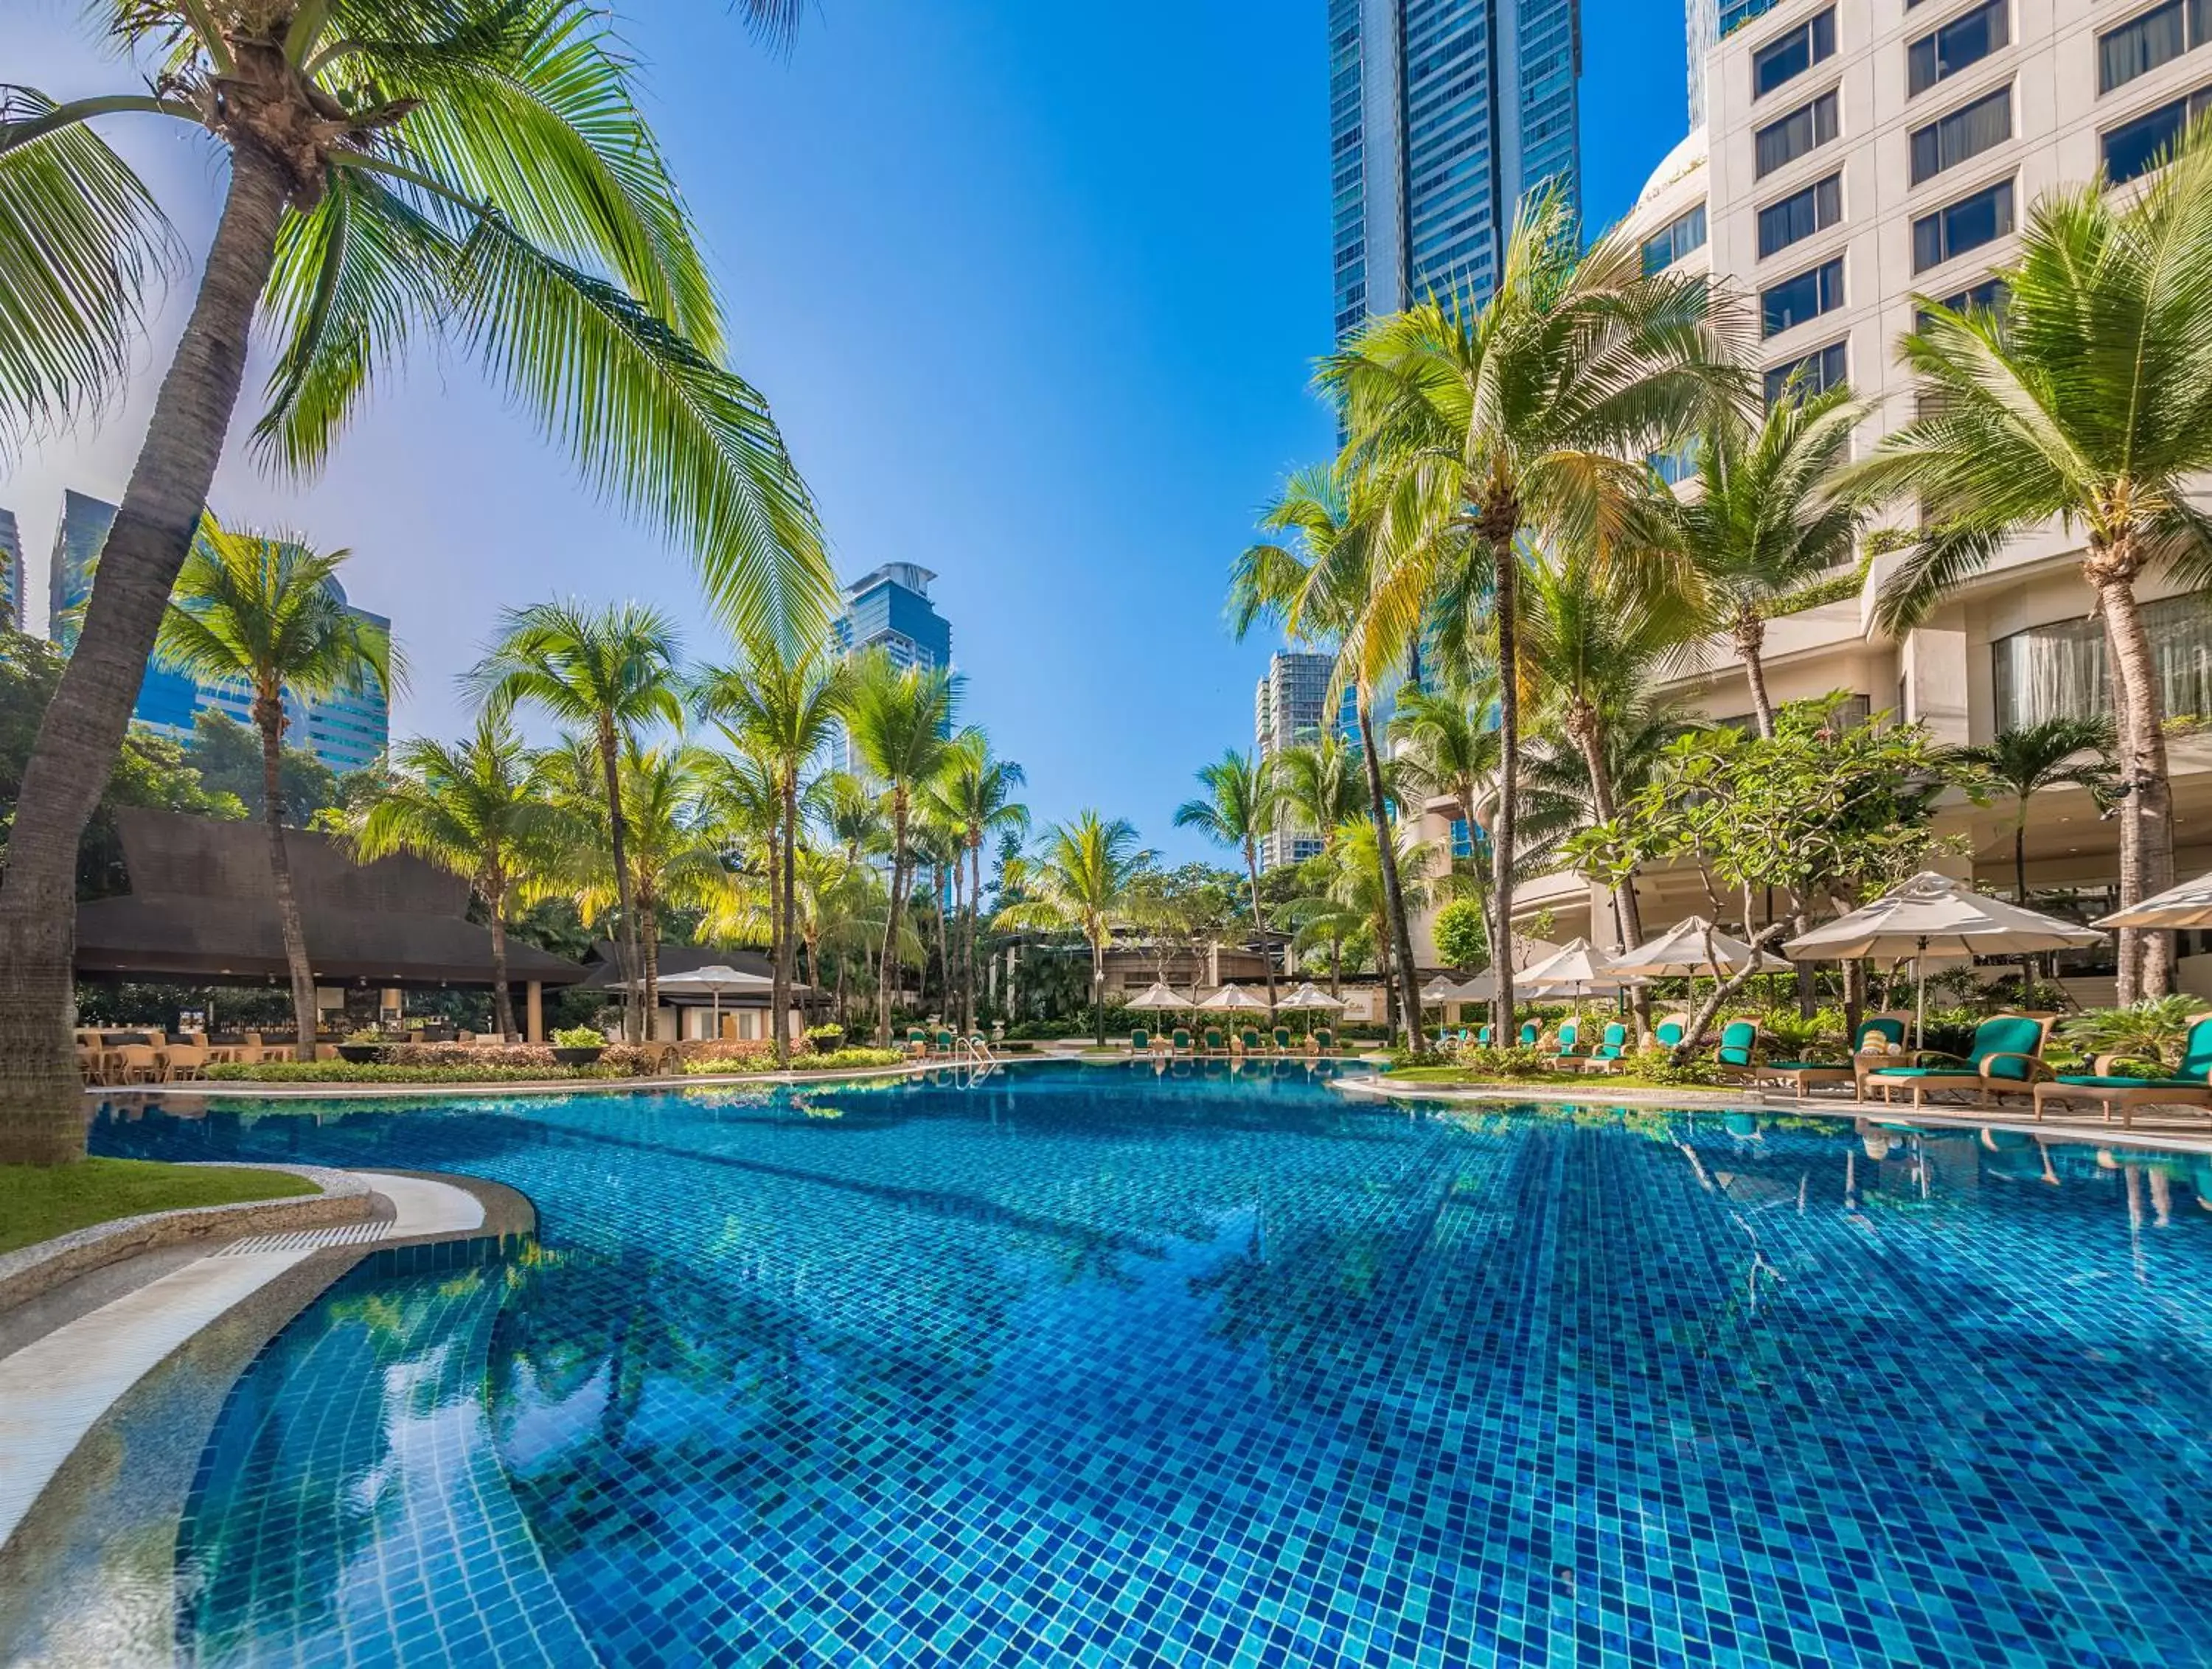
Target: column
[(534, 1025)]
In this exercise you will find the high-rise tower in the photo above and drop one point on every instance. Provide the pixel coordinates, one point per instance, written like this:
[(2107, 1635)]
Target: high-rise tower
[(11, 572)]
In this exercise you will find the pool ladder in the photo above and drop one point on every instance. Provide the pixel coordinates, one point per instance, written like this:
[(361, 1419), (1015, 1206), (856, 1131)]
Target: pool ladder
[(975, 1054)]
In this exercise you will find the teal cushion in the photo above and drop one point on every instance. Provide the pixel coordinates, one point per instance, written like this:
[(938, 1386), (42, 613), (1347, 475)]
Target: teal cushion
[(2091, 1081), (2008, 1035), (1925, 1071), (1736, 1043), (1889, 1030), (1669, 1035), (2196, 1054), (1530, 1031)]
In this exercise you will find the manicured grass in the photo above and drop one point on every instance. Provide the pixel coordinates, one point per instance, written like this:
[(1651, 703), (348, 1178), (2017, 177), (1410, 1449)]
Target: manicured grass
[(39, 1202)]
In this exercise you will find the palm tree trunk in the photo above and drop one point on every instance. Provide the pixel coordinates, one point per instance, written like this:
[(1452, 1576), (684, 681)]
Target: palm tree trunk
[(42, 1096), (269, 715), (1506, 574), (2020, 857), (1098, 991), (956, 940), (974, 918), (649, 937), (1386, 849), (634, 1022), (1750, 641), (1260, 922), (2147, 967), (1590, 734), (891, 913), (944, 937), (787, 910), (503, 998)]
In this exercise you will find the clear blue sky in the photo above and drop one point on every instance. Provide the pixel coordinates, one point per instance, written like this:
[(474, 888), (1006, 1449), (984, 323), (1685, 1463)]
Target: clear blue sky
[(1035, 290)]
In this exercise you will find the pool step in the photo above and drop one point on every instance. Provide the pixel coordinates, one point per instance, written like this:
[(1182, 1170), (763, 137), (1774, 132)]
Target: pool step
[(308, 1240)]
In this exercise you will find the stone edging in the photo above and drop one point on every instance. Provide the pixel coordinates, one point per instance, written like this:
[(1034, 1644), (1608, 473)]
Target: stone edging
[(33, 1270)]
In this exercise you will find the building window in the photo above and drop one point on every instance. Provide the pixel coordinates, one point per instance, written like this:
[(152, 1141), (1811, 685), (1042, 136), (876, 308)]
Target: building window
[(1966, 132), (1988, 296), (1966, 224), (1808, 126), (1966, 39), (2158, 36), (1817, 373), (1790, 303), (1799, 215), (1685, 236), (2134, 148), (2060, 670), (1789, 56)]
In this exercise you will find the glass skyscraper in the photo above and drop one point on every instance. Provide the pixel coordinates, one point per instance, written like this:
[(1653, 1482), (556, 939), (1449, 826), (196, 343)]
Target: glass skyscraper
[(11, 572), (1444, 115), (889, 610)]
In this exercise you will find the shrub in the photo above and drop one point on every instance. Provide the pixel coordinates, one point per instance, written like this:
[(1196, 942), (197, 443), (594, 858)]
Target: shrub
[(346, 1072), (822, 1061), (827, 1037), (2154, 1029), (1697, 1072), (1508, 1063)]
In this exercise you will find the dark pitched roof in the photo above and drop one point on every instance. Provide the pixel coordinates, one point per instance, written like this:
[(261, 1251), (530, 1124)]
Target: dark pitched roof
[(201, 904)]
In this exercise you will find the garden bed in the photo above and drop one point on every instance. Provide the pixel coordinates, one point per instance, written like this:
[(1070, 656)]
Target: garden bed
[(40, 1202)]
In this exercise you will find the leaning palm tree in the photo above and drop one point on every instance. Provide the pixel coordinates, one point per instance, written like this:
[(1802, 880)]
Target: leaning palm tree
[(2085, 403), (265, 614), (1513, 422), (1079, 882), (900, 720), (1761, 522), (473, 170), (1239, 810), (976, 793), (2058, 752), (782, 708), (606, 673), (476, 809)]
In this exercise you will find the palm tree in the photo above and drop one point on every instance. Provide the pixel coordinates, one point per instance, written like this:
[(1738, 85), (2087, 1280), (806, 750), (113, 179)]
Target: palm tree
[(1320, 784), (1762, 521), (2084, 404), (606, 673), (2025, 763), (266, 613), (1352, 897), (476, 809), (1318, 585), (1515, 423), (781, 708), (900, 720), (976, 792), (1079, 883), (1240, 808), (476, 170), (1447, 748)]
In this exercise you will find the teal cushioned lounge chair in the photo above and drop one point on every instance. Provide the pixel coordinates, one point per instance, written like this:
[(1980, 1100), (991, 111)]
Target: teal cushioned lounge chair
[(1611, 1051), (2006, 1057), (1878, 1035), (2189, 1085), (1738, 1054)]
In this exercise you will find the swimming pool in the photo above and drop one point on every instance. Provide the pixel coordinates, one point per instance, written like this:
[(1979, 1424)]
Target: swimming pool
[(1087, 1365)]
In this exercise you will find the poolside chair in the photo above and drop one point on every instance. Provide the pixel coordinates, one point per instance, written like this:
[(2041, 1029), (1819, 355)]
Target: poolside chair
[(1140, 1042), (1215, 1043), (1248, 1040), (2190, 1084), (1482, 1037), (1613, 1049), (1323, 1040), (181, 1061), (1180, 1041), (1532, 1033), (944, 1044), (1282, 1040), (1566, 1043), (1879, 1034), (2006, 1057), (917, 1040), (135, 1063), (1671, 1030), (1738, 1054)]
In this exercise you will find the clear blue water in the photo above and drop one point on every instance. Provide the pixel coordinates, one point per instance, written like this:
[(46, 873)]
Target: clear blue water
[(1086, 1367)]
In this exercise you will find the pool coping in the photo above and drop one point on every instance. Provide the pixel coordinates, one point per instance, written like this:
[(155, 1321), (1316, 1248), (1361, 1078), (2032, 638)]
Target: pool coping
[(253, 1089)]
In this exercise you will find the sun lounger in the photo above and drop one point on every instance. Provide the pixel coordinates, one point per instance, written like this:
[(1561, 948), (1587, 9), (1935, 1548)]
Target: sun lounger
[(1671, 1030), (1215, 1043), (1566, 1043), (2006, 1059), (1738, 1054), (1878, 1035), (1181, 1041), (1532, 1033), (1611, 1049), (1140, 1042), (2190, 1084)]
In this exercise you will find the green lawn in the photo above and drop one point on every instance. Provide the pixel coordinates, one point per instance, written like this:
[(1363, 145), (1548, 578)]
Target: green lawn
[(39, 1202)]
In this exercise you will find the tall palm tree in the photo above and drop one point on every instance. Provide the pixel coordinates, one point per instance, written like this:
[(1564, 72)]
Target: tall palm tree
[(1318, 582), (476, 808), (1352, 894), (1239, 810), (1079, 882), (782, 708), (2087, 404), (1762, 520), (266, 614), (976, 792), (1321, 784), (606, 673), (475, 170), (1447, 748), (900, 720), (2057, 753), (1517, 422)]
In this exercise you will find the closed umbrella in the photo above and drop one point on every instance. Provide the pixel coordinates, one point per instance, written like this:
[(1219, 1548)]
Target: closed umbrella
[(2189, 905), (1932, 915)]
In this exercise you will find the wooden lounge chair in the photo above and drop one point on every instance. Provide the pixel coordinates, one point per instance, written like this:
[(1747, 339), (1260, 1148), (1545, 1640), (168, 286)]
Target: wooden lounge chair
[(1671, 1030), (1180, 1041), (1611, 1049), (1567, 1043), (1738, 1054), (2006, 1059), (1878, 1035), (1482, 1037), (1282, 1040), (1248, 1040), (1215, 1043), (917, 1040), (1532, 1033), (1324, 1041), (1140, 1042), (2190, 1084), (944, 1044)]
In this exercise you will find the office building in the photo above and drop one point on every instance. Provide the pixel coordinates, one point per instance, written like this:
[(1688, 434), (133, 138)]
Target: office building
[(346, 731), (1444, 115), (1290, 706), (11, 572), (888, 608)]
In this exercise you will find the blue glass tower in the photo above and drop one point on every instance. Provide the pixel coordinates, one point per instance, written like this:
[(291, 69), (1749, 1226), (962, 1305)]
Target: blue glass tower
[(1444, 115), (888, 610), (11, 572)]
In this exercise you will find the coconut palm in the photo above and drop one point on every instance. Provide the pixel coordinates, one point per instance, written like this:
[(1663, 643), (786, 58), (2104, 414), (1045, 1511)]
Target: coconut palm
[(2057, 753), (782, 709), (266, 614), (1515, 423), (900, 720), (476, 808), (1240, 808), (1317, 582), (2085, 403), (607, 674), (976, 793), (1761, 521), (1352, 897), (1079, 882), (1320, 784), (474, 170)]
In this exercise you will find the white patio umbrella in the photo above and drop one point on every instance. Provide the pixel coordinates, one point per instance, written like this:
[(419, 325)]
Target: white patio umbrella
[(1161, 998), (1685, 948), (1438, 992), (1933, 916), (1234, 999), (1308, 996), (717, 981), (1578, 963), (2189, 905)]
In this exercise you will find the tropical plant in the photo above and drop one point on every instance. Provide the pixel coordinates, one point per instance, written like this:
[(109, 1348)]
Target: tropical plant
[(1079, 882), (2153, 1031), (1320, 784), (253, 611), (900, 720), (1353, 899), (2025, 762), (1515, 423), (1462, 934), (475, 169), (975, 792), (476, 809), (1240, 809), (607, 673), (2084, 404)]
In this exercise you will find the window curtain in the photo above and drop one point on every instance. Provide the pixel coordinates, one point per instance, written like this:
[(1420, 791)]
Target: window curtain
[(2061, 670), (2137, 48)]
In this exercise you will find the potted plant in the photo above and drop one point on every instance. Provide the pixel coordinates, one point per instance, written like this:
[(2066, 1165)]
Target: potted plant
[(362, 1048), (827, 1039), (578, 1046)]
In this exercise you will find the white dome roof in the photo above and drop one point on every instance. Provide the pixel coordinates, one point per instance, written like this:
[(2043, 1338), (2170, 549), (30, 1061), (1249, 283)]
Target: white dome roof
[(1685, 158)]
